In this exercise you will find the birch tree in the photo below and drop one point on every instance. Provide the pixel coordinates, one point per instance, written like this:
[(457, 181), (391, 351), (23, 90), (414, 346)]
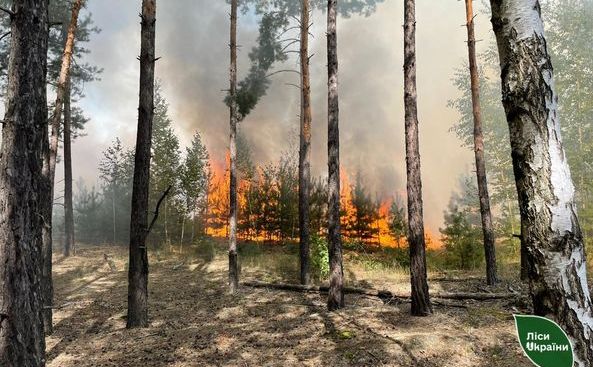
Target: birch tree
[(550, 229)]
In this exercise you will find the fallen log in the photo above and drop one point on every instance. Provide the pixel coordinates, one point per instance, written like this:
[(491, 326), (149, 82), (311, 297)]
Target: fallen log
[(383, 294)]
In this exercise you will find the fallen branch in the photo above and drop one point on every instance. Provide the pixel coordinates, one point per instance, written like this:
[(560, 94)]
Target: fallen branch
[(156, 211), (383, 294)]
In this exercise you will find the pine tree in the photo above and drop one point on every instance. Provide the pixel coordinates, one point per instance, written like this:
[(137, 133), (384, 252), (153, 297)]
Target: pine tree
[(138, 263), (234, 119), (164, 166), (398, 223), (336, 278), (194, 182), (484, 196), (24, 188), (420, 298)]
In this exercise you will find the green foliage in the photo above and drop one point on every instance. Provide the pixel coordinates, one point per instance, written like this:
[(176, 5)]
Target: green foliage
[(462, 234), (398, 220), (319, 257), (116, 173), (194, 180), (268, 51), (569, 29)]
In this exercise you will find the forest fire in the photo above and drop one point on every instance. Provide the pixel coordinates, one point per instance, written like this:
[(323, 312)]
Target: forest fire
[(362, 219)]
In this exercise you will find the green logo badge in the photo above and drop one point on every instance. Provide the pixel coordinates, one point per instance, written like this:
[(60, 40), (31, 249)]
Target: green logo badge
[(543, 341)]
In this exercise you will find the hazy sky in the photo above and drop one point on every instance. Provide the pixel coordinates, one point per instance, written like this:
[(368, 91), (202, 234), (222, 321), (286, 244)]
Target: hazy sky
[(192, 39)]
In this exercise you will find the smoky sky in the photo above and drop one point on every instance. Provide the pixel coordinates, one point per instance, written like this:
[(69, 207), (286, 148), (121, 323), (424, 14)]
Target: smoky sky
[(192, 41)]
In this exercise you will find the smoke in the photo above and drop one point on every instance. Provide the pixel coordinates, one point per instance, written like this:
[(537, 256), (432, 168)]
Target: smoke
[(192, 41)]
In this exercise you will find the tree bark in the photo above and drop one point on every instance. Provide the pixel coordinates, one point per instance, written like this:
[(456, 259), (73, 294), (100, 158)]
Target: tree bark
[(420, 298), (182, 234), (549, 226), (305, 145), (22, 185), (335, 298), (138, 266), (68, 209), (49, 154), (486, 215), (233, 260), (61, 95)]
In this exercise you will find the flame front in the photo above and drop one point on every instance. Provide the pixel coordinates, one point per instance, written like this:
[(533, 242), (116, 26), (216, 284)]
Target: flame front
[(218, 211)]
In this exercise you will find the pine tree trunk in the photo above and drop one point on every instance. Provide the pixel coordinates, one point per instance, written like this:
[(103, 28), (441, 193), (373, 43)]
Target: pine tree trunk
[(24, 131), (61, 92), (549, 225), (420, 299), (335, 298), (166, 225), (68, 210), (305, 146), (486, 215), (233, 260), (114, 214), (138, 265), (182, 234), (193, 228)]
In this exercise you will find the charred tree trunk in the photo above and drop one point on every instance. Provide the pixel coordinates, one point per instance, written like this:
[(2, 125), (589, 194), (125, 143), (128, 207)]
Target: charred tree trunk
[(24, 130), (68, 209), (549, 226), (335, 298), (233, 260), (138, 268), (420, 299), (486, 215), (305, 145)]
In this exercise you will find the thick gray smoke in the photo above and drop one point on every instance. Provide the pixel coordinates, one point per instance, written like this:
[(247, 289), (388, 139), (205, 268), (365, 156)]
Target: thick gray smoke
[(192, 39)]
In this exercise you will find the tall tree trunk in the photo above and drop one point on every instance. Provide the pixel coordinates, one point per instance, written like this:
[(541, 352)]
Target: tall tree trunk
[(61, 92), (68, 210), (233, 260), (305, 145), (488, 232), (22, 185), (193, 228), (166, 224), (549, 225), (335, 299), (182, 234), (114, 213), (420, 299), (138, 268), (50, 153)]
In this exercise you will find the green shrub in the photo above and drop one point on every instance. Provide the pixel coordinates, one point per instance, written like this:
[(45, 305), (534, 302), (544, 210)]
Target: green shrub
[(319, 258)]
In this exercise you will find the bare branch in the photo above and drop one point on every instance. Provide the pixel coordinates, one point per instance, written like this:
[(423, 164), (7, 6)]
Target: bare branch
[(8, 11), (156, 211), (283, 71)]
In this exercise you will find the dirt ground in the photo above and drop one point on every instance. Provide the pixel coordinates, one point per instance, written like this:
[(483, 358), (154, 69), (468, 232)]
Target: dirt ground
[(194, 322)]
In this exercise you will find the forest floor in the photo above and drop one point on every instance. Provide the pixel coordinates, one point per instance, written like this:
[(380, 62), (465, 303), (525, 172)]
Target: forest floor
[(194, 322)]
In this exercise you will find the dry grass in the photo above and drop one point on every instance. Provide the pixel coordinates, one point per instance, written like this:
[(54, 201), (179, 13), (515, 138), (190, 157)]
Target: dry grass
[(194, 322)]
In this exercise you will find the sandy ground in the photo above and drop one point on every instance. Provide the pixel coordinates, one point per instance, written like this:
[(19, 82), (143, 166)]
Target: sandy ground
[(194, 322)]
